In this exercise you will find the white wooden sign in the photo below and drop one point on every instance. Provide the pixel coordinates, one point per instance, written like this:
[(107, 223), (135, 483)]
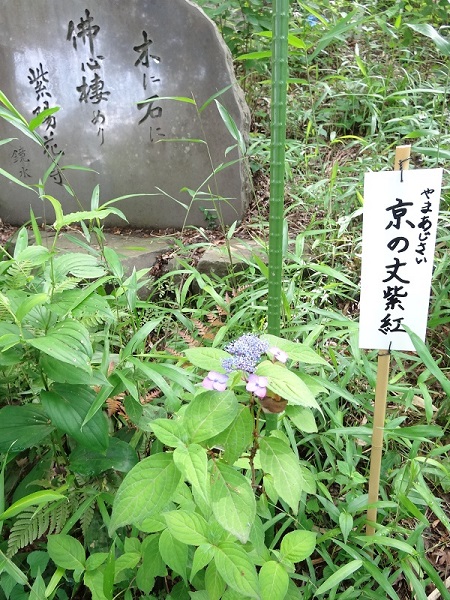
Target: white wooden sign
[(399, 236)]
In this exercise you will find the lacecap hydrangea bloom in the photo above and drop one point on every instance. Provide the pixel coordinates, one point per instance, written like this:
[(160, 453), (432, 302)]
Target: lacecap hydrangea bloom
[(215, 381)]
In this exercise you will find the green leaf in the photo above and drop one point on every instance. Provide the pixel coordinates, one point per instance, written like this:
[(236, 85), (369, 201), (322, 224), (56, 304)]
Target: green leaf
[(6, 564), (35, 499), (174, 553), (169, 431), (302, 418), (346, 524), (186, 527), (192, 461), (335, 579), (233, 501), (273, 581), (152, 564), (295, 350), (62, 372), (298, 545), (66, 552), (286, 384), (278, 460), (22, 427), (209, 359), (78, 264), (139, 337), (428, 360), (202, 556), (214, 583), (230, 124), (119, 456), (210, 413), (40, 118), (237, 437), (67, 406), (68, 341), (15, 180), (145, 491), (237, 569), (442, 44)]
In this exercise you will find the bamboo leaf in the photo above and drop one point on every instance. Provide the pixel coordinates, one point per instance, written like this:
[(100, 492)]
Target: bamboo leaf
[(335, 579)]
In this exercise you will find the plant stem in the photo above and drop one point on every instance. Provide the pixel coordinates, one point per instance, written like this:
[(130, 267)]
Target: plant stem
[(280, 28)]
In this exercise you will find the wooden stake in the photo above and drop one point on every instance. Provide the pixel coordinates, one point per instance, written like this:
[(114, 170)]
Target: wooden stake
[(402, 154)]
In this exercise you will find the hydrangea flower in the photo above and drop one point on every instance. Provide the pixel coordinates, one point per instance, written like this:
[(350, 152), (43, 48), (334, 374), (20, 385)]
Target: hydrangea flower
[(215, 381), (312, 20), (257, 385), (246, 351), (279, 354)]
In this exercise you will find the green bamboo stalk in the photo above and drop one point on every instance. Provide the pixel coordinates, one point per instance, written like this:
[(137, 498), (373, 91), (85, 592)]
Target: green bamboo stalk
[(280, 28)]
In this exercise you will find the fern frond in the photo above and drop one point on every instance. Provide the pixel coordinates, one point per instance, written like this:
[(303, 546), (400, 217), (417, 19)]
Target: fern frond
[(70, 283), (18, 275), (29, 526), (187, 337)]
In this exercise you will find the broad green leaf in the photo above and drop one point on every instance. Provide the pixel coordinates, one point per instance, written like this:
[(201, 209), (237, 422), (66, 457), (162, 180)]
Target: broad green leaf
[(295, 350), (169, 432), (66, 552), (188, 528), (94, 581), (298, 545), (120, 456), (214, 583), (67, 406), (94, 561), (68, 341), (202, 556), (237, 569), (210, 413), (335, 579), (34, 499), (286, 384), (62, 372), (233, 501), (280, 462), (302, 418), (209, 359), (346, 524), (192, 461), (21, 242), (152, 564), (145, 491), (127, 560), (174, 553), (22, 427), (78, 264), (37, 592), (273, 581), (237, 437)]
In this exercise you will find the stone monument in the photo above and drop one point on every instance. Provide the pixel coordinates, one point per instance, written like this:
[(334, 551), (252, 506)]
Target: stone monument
[(113, 68)]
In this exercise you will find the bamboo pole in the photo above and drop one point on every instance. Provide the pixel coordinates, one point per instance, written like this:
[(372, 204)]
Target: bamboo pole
[(401, 162), (280, 29)]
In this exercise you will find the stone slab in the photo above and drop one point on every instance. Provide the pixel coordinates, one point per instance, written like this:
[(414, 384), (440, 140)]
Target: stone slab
[(99, 62)]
